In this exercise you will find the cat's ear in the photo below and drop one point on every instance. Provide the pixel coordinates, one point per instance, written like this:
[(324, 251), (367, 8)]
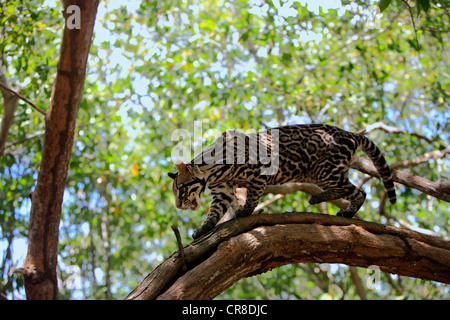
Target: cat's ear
[(173, 175), (190, 169), (196, 170), (182, 167)]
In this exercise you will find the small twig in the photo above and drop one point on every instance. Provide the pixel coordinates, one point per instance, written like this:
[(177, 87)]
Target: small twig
[(266, 203), (180, 247), (414, 24), (392, 129), (110, 113), (22, 98), (436, 154)]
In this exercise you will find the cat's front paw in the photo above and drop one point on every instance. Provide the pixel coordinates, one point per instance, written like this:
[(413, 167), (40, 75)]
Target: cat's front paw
[(205, 228), (198, 233), (244, 212)]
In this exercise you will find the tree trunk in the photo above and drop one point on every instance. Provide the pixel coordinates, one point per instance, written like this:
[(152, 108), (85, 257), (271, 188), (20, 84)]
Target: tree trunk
[(10, 105), (247, 246), (39, 271)]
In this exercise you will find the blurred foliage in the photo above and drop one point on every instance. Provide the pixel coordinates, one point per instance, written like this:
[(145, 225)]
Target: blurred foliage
[(158, 66)]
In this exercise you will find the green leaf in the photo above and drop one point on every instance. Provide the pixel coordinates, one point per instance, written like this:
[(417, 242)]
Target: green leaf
[(286, 58), (384, 4), (424, 4)]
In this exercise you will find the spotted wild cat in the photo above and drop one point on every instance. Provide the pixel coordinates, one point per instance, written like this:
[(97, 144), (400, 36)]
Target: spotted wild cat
[(315, 153)]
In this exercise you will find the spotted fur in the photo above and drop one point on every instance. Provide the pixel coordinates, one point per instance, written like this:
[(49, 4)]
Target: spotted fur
[(315, 153)]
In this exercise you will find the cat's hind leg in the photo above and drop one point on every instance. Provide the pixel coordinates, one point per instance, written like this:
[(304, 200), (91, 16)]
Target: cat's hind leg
[(353, 194), (356, 200), (331, 194)]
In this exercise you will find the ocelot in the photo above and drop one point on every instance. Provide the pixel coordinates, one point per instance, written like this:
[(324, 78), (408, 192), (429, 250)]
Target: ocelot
[(315, 153)]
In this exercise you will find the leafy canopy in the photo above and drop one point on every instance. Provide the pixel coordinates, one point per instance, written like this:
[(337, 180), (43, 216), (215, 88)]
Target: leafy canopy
[(158, 66)]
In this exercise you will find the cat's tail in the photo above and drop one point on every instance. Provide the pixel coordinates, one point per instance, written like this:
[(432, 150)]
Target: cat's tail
[(372, 151)]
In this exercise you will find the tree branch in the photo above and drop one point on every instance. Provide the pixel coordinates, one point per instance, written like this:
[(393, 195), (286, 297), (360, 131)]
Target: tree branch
[(60, 121), (180, 246), (10, 105), (358, 283), (436, 154), (247, 246), (440, 190), (14, 92), (391, 129)]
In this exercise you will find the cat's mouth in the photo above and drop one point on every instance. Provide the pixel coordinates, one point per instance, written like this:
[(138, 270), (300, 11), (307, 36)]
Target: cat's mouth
[(194, 204)]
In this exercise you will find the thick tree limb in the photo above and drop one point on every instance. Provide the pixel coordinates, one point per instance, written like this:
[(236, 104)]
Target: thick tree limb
[(251, 245), (60, 122)]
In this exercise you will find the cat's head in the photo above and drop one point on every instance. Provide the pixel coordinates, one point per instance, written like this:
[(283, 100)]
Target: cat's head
[(188, 185)]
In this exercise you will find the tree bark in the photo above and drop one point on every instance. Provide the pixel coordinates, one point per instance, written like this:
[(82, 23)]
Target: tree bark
[(10, 105), (39, 271), (247, 246)]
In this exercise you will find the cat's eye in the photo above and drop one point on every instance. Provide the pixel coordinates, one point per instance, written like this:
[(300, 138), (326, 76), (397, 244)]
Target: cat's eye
[(181, 190)]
